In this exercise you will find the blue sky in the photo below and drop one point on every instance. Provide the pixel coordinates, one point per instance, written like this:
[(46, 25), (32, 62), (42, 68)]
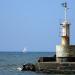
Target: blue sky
[(33, 24)]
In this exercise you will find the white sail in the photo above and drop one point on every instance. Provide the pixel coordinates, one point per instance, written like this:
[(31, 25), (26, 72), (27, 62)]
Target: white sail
[(24, 50)]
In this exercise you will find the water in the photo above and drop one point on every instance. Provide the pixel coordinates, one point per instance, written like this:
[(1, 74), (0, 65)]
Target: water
[(10, 61)]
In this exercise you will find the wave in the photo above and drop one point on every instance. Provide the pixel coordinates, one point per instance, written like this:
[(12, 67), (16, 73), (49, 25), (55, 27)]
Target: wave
[(2, 60), (10, 67)]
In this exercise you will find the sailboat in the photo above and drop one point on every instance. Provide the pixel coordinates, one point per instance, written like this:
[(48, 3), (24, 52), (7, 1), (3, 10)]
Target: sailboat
[(24, 50)]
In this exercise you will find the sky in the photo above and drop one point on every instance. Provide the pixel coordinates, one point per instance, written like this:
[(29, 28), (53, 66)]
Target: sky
[(33, 24)]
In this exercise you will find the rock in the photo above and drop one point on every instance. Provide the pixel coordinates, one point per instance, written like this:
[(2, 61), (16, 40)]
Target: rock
[(28, 67)]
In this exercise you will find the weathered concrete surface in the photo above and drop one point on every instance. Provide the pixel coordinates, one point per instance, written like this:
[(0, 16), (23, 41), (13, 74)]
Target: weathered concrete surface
[(55, 67)]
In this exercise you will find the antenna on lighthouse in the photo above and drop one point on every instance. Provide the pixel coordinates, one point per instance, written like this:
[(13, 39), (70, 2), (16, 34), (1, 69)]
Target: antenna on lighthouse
[(65, 10)]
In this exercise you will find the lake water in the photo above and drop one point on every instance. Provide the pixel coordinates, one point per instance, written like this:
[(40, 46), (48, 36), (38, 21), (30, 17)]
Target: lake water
[(10, 61)]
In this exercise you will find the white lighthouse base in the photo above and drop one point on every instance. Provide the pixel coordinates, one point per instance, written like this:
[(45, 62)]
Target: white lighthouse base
[(63, 53)]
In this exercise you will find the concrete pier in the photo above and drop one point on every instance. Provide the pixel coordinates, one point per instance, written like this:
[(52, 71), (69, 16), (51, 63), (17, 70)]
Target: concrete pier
[(54, 67)]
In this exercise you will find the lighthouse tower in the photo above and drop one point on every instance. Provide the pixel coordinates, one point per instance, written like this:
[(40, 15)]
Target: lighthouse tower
[(63, 50)]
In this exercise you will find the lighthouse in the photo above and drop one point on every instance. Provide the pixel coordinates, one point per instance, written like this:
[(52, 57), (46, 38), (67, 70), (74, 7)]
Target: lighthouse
[(65, 51)]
